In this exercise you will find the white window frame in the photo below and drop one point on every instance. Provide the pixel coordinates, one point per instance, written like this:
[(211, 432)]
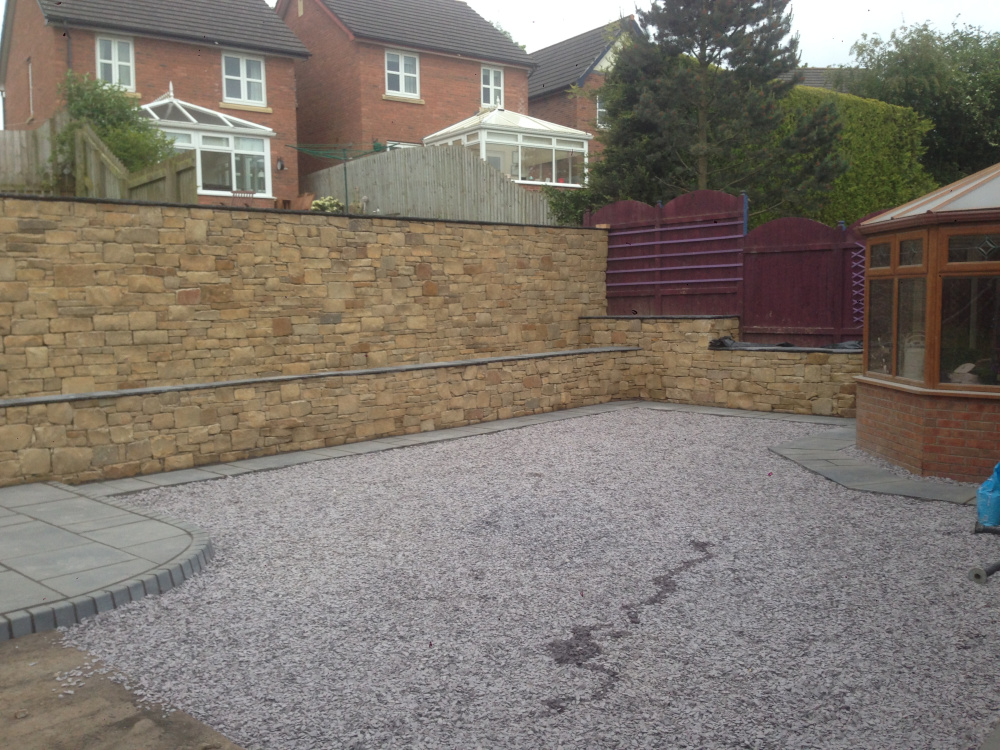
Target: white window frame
[(115, 61), (402, 75), (481, 140), (601, 122), (244, 80), (196, 144), (490, 91)]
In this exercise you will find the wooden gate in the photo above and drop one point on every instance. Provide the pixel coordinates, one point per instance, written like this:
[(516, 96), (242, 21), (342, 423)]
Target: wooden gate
[(683, 258)]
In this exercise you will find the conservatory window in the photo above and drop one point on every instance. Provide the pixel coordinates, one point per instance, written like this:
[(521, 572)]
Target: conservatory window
[(970, 329), (115, 62), (228, 163), (880, 304)]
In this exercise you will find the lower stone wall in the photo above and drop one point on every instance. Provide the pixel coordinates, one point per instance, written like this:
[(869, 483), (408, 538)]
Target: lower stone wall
[(113, 436), (675, 364), (930, 434)]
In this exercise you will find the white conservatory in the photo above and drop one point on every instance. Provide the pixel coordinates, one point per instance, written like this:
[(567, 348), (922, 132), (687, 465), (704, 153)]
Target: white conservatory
[(528, 150)]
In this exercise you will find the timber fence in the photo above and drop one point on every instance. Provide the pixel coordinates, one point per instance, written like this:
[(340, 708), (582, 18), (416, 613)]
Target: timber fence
[(447, 182)]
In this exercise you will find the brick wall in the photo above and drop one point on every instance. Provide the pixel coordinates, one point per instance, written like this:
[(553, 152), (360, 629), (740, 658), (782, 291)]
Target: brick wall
[(675, 364), (101, 296), (195, 72), (578, 112), (930, 434), (47, 48), (342, 89)]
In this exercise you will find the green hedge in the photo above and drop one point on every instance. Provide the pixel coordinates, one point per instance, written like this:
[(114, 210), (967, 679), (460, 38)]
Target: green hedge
[(882, 144)]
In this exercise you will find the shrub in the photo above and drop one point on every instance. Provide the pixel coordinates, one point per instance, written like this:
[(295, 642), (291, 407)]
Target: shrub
[(328, 204)]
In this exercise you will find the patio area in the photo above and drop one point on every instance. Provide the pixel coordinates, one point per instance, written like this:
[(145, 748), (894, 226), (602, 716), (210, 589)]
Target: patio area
[(632, 575)]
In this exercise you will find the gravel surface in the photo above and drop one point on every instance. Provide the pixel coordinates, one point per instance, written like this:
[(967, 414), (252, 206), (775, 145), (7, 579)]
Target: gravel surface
[(637, 579), (870, 458)]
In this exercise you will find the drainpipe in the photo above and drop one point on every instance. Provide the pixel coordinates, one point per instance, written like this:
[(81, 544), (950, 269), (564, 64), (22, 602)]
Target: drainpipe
[(69, 47)]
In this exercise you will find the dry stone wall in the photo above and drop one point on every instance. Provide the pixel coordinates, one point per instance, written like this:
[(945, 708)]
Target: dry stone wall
[(100, 296), (675, 364)]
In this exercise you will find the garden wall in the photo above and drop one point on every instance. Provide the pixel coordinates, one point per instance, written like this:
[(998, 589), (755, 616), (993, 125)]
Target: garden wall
[(674, 363)]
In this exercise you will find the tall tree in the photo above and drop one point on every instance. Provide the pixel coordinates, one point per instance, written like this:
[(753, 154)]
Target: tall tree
[(695, 105), (952, 79)]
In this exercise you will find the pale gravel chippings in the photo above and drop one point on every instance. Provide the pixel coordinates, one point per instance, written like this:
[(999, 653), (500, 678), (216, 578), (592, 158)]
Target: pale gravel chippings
[(641, 578), (870, 458)]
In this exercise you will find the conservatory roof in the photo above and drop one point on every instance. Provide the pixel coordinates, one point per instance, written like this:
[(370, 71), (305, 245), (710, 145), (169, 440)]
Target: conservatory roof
[(168, 111), (511, 122), (975, 194)]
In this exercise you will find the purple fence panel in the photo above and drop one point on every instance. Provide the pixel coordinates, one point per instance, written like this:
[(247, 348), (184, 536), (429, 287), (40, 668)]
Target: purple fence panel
[(800, 282)]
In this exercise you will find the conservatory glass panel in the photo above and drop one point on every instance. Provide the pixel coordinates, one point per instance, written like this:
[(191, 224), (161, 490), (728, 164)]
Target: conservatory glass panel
[(880, 326), (503, 157), (216, 170), (911, 252), (911, 328), (881, 255), (536, 164), (973, 248), (970, 330)]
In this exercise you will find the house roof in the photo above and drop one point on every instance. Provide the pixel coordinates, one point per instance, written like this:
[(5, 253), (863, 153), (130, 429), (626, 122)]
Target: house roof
[(972, 196), (569, 62), (243, 24), (818, 78), (505, 120), (448, 26)]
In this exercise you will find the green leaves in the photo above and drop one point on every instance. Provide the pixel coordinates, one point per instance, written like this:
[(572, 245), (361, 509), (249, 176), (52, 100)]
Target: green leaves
[(116, 118)]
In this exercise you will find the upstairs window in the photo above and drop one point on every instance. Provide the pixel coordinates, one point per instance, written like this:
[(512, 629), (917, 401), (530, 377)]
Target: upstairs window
[(243, 80), (115, 62), (602, 113), (492, 87), (402, 74)]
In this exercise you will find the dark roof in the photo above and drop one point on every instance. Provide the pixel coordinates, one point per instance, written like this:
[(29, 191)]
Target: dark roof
[(244, 24), (818, 78), (448, 26), (568, 62)]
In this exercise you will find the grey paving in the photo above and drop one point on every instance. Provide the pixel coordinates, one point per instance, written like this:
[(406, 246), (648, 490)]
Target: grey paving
[(69, 552)]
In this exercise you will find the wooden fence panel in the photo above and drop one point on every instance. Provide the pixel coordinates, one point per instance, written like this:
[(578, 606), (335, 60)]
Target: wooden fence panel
[(171, 181), (26, 157), (447, 182), (684, 258)]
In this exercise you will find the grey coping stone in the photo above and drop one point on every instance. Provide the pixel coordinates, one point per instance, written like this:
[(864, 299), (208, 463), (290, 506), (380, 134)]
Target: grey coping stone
[(18, 592), (160, 551), (20, 623), (187, 569), (121, 595), (42, 619), (6, 512), (176, 574), (114, 487), (323, 453), (85, 607), (949, 493), (124, 517), (226, 470), (104, 601), (72, 510), (14, 520), (35, 536), (129, 535), (4, 629), (369, 446), (29, 494), (44, 565), (65, 614), (992, 741), (85, 582), (182, 476), (265, 463)]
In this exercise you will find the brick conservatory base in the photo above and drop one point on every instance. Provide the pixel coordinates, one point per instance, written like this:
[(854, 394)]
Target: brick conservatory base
[(931, 433)]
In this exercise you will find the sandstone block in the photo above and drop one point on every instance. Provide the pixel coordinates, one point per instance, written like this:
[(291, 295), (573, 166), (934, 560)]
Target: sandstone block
[(69, 461)]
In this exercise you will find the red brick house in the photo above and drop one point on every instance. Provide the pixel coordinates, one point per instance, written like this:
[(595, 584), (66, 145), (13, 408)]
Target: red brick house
[(577, 62), (395, 71), (228, 66)]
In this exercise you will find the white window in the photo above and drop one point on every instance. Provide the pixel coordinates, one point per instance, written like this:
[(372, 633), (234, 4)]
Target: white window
[(228, 163), (402, 74), (243, 80), (602, 114), (492, 87), (115, 62)]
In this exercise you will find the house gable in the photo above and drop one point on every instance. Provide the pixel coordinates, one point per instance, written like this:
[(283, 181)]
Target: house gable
[(568, 63)]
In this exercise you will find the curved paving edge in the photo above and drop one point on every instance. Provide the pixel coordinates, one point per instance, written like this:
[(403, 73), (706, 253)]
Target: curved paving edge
[(159, 578)]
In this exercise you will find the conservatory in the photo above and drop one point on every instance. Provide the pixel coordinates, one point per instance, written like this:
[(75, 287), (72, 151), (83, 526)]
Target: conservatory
[(929, 397), (528, 150), (233, 155)]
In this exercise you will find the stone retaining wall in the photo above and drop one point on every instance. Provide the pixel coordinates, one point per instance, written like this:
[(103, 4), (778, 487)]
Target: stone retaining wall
[(675, 364), (101, 296), (120, 436)]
